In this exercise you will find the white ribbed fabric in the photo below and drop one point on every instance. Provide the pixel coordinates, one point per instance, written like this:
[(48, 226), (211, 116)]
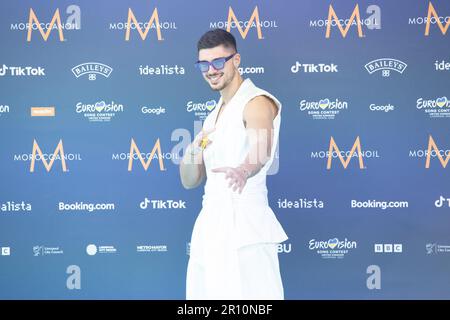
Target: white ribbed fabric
[(232, 227)]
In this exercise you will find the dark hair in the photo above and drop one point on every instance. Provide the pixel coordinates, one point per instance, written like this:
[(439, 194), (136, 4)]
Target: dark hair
[(217, 37)]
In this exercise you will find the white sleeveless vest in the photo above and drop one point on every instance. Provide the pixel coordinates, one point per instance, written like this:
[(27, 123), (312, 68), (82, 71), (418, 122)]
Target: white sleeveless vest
[(245, 218)]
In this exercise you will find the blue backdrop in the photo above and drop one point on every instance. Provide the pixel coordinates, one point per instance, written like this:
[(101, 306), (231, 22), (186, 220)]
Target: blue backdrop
[(97, 226)]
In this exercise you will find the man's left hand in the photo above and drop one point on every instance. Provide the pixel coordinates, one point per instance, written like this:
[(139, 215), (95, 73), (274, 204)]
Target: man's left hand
[(238, 177)]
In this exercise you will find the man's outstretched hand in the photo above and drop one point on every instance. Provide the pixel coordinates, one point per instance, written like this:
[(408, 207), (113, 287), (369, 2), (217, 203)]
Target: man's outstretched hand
[(238, 176)]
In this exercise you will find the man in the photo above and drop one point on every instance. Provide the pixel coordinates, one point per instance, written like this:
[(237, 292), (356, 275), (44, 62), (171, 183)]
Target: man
[(233, 253)]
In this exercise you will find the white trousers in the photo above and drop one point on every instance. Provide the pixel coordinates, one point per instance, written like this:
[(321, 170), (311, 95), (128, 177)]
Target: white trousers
[(252, 273)]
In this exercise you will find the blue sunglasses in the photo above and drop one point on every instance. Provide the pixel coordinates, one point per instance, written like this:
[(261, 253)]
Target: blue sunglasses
[(217, 64)]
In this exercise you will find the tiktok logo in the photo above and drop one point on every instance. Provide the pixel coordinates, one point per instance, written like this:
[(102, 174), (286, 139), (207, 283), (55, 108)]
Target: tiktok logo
[(3, 70), (144, 204), (21, 71), (439, 203), (163, 204), (313, 68)]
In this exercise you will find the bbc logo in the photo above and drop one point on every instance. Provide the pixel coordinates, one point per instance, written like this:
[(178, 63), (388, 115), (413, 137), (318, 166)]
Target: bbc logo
[(388, 248), (6, 251)]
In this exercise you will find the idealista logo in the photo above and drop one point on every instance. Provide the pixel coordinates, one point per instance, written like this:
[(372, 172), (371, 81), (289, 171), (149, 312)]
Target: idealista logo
[(372, 22), (73, 22), (93, 249), (435, 108), (15, 207), (432, 151), (388, 248), (4, 108), (355, 152), (162, 204), (92, 69), (443, 22), (314, 67), (99, 111), (323, 109), (385, 65), (21, 71), (38, 155), (162, 70), (244, 26), (333, 248), (143, 28), (442, 201), (300, 203), (201, 109), (136, 154), (442, 66)]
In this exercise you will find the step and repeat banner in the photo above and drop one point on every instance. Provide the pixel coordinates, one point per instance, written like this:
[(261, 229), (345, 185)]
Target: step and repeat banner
[(98, 100)]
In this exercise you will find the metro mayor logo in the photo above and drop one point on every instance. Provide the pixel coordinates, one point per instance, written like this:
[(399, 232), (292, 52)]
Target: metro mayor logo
[(244, 26)]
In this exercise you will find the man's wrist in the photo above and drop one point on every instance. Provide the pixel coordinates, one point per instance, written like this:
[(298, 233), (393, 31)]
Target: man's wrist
[(194, 150), (246, 171)]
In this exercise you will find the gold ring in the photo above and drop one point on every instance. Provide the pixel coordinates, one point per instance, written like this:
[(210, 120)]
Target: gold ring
[(204, 142)]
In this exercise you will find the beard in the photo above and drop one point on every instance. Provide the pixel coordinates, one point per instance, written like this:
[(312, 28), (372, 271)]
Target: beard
[(222, 81)]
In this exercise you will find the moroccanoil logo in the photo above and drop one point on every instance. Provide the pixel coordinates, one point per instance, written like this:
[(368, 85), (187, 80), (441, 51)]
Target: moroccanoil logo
[(355, 16), (433, 147), (72, 22), (334, 148), (373, 21), (48, 166), (355, 152), (134, 150), (47, 159), (432, 11), (154, 19), (433, 151), (59, 149), (443, 22), (56, 18), (244, 26), (143, 28)]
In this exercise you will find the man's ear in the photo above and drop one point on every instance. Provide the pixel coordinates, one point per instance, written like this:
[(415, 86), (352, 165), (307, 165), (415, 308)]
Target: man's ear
[(237, 60)]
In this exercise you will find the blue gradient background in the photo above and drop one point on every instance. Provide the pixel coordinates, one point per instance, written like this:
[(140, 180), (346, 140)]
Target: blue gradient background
[(130, 275)]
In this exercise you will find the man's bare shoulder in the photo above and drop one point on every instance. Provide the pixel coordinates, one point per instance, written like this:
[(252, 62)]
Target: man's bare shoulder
[(260, 106)]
